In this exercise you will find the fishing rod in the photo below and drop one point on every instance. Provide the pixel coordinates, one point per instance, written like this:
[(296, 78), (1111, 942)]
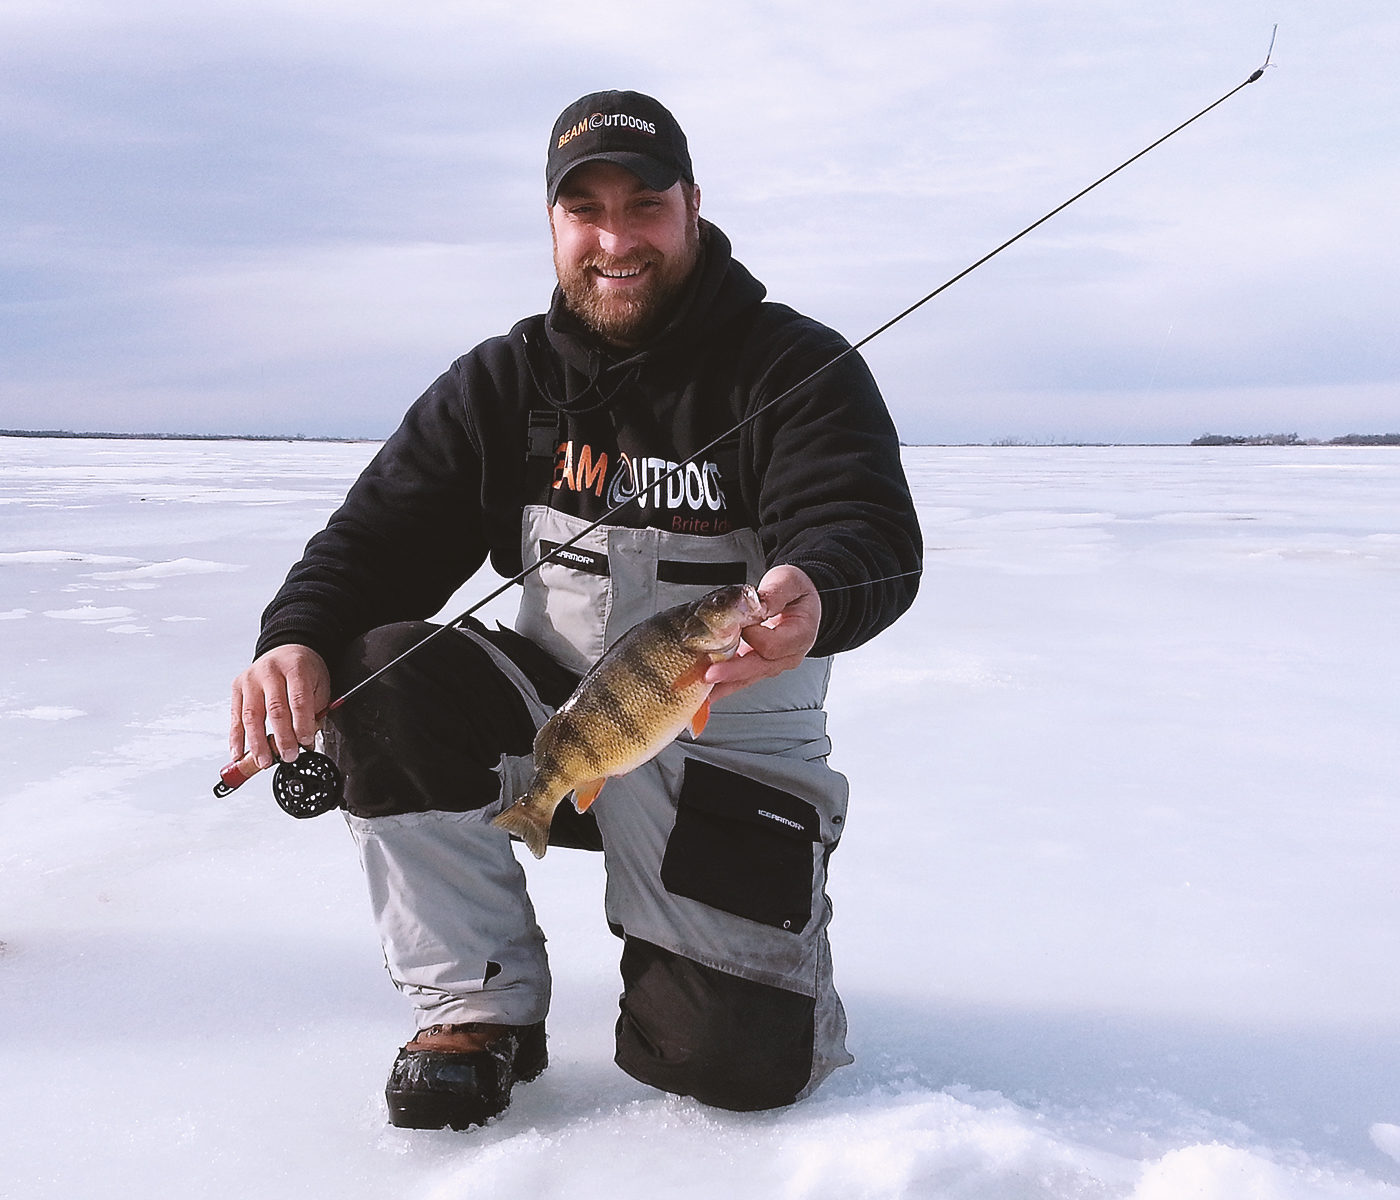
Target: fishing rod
[(310, 783)]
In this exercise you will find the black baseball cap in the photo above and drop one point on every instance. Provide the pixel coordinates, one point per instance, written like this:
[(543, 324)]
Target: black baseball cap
[(626, 128)]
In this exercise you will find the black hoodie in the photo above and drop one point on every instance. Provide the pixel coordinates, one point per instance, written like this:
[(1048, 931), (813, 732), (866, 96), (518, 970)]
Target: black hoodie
[(818, 475)]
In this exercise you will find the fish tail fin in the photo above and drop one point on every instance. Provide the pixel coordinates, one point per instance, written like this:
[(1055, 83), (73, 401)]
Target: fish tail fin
[(529, 819)]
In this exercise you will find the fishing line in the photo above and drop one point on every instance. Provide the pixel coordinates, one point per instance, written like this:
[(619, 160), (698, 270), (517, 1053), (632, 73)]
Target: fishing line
[(846, 587), (234, 774)]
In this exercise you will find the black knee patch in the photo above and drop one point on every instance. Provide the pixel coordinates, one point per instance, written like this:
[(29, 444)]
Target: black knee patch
[(691, 1030), (428, 733)]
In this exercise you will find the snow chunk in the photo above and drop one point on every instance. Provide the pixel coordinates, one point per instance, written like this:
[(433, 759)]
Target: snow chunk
[(876, 1146), (55, 556), (1387, 1139), (48, 712), (174, 567), (91, 615), (1219, 1172)]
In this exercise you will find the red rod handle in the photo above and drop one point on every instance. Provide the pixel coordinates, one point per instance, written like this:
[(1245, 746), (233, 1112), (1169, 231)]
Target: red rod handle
[(236, 774)]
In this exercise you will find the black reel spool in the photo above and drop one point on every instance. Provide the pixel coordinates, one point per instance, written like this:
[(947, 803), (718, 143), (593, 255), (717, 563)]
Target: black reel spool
[(307, 786)]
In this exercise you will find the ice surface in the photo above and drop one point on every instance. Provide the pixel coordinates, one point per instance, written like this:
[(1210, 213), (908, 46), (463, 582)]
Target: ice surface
[(1116, 912)]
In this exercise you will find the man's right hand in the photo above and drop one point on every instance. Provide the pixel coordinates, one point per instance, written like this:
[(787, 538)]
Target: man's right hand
[(282, 695)]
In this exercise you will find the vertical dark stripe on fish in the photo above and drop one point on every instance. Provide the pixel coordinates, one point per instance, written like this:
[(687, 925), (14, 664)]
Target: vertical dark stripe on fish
[(613, 704), (574, 751)]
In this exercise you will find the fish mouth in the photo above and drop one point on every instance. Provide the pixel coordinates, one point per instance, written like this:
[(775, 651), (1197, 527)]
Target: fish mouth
[(724, 614), (736, 602), (751, 605)]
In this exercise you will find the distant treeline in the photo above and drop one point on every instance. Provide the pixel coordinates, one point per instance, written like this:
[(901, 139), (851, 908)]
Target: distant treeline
[(1206, 439), (177, 437), (1292, 439)]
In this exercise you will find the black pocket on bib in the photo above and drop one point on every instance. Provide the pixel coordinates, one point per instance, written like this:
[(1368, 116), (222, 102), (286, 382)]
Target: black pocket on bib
[(742, 846)]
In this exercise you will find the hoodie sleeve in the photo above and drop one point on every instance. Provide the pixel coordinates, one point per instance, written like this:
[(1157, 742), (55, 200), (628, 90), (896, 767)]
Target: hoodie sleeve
[(409, 532), (832, 494)]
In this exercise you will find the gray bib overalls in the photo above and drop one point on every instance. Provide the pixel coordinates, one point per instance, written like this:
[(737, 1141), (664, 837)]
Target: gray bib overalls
[(715, 851)]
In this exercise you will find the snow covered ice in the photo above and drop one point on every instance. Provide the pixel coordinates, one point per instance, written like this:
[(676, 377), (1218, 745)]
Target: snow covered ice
[(1116, 912)]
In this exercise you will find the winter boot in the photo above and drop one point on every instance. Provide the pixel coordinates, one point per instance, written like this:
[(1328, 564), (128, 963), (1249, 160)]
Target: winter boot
[(462, 1075)]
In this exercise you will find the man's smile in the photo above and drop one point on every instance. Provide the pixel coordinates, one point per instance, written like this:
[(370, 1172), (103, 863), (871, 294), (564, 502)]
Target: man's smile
[(619, 276)]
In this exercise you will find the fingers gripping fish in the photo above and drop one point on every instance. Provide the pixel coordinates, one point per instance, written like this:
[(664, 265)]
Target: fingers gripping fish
[(634, 702)]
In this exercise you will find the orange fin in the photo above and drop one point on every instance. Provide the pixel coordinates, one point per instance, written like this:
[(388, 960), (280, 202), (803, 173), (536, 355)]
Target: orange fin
[(691, 675), (702, 714), (586, 793)]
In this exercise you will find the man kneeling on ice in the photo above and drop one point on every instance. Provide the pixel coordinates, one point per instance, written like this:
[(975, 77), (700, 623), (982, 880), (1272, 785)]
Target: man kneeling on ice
[(656, 343)]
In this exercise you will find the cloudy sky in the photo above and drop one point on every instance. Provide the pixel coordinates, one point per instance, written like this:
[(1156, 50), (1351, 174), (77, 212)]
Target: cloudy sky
[(288, 216)]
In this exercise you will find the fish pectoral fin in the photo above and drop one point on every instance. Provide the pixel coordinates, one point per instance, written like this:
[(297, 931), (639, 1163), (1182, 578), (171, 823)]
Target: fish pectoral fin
[(691, 675), (702, 715), (586, 793)]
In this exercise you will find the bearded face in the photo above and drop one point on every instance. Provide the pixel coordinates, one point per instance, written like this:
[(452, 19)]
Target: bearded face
[(623, 252)]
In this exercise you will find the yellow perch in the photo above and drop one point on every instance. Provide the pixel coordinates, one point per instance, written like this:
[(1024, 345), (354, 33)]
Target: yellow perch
[(633, 703)]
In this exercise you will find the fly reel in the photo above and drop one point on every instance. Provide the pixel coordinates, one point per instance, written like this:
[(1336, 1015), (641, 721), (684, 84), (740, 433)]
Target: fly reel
[(308, 786)]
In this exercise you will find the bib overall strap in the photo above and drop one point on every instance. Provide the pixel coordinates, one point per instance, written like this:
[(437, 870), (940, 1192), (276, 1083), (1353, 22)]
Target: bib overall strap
[(542, 437)]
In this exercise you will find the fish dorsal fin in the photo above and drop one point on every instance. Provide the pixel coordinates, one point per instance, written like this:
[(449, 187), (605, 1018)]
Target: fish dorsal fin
[(702, 715), (586, 793)]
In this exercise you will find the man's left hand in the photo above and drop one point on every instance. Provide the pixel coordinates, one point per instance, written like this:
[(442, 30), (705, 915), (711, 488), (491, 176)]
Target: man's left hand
[(781, 642)]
